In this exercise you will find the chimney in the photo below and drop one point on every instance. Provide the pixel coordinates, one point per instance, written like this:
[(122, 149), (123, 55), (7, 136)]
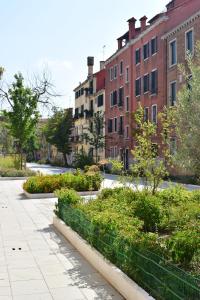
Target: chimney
[(132, 29), (102, 65), (119, 40), (90, 63), (143, 22)]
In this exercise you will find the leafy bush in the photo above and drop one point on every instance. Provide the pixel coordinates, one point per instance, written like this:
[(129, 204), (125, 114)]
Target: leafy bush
[(50, 183), (183, 245), (82, 159), (16, 173), (91, 169)]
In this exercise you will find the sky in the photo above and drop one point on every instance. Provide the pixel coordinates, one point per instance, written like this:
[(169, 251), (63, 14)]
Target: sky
[(58, 35)]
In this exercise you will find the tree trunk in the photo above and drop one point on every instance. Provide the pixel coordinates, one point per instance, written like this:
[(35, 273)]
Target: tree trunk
[(65, 159), (96, 155)]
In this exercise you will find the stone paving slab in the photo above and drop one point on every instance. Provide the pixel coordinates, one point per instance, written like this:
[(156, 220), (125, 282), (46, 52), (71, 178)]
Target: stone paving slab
[(36, 263)]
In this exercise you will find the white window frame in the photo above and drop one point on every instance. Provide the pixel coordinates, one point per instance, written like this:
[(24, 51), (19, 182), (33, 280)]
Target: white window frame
[(127, 77), (170, 84), (115, 69), (149, 83), (193, 45), (111, 99), (121, 73), (115, 118), (140, 86), (127, 110), (137, 64), (154, 37), (145, 59), (147, 107), (154, 70), (170, 53), (127, 136), (111, 73), (154, 105)]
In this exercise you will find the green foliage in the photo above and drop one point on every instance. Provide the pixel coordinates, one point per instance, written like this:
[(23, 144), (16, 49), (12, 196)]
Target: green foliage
[(50, 183), (81, 160), (23, 115), (58, 131), (95, 136), (150, 221), (16, 173), (187, 115), (183, 245), (147, 164)]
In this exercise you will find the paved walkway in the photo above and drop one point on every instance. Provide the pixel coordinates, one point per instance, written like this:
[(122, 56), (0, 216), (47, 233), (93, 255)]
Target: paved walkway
[(109, 181), (35, 261)]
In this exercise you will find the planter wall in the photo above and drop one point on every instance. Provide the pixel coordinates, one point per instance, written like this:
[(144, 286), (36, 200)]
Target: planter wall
[(119, 280)]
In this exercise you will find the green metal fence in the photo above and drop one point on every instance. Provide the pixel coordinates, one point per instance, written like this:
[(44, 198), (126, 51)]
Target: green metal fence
[(160, 278)]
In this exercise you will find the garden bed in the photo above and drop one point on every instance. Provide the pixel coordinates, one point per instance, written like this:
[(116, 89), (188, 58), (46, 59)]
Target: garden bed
[(120, 281), (84, 183), (154, 239)]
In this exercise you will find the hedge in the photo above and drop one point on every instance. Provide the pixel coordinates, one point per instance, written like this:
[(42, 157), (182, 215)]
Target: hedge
[(115, 226), (48, 184)]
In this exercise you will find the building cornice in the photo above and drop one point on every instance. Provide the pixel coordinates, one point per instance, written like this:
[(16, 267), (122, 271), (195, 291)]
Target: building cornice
[(133, 41), (181, 26)]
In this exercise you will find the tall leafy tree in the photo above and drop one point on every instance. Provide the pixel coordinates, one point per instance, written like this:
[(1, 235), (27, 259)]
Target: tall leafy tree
[(151, 160), (188, 115), (58, 131), (95, 135), (23, 115)]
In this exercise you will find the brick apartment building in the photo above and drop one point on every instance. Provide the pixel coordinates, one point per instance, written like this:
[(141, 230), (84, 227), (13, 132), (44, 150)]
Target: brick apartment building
[(144, 70), (89, 99)]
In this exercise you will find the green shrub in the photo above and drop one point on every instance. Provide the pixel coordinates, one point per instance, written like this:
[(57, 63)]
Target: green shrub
[(16, 173), (92, 169), (82, 159), (50, 183), (147, 208), (183, 245)]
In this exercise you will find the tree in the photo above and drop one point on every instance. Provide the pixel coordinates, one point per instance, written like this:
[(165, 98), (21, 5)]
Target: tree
[(23, 115), (23, 102), (147, 164), (6, 140), (188, 115), (58, 131), (95, 135)]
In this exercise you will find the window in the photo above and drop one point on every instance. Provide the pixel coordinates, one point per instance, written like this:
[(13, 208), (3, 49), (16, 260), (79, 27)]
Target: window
[(127, 104), (111, 99), (111, 73), (127, 74), (154, 46), (114, 98), (82, 111), (189, 41), (173, 146), (121, 97), (154, 82), (82, 91), (110, 125), (115, 152), (76, 113), (146, 114), (121, 124), (111, 152), (115, 124), (100, 100), (146, 51), (137, 56), (115, 71), (154, 114), (127, 132), (172, 53), (121, 67), (138, 87), (146, 83), (173, 93)]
